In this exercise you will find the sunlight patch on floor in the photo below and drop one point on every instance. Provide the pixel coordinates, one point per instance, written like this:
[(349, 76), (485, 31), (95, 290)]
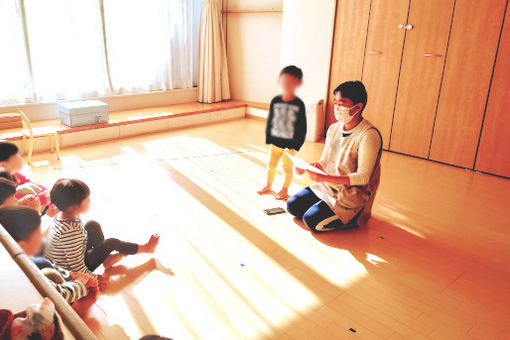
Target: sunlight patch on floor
[(390, 214), (227, 181)]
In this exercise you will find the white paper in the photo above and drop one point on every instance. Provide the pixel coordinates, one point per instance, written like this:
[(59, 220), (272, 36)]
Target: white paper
[(302, 164)]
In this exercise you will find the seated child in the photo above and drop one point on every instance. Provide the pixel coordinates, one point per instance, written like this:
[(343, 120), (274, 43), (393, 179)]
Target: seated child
[(24, 225), (83, 248), (8, 193), (11, 161), (285, 129), (7, 175), (38, 321)]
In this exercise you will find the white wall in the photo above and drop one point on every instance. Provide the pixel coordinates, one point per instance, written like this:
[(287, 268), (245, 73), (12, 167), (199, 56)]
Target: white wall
[(253, 50), (307, 32)]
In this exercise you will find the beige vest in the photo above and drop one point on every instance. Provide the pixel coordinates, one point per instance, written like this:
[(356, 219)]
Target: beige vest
[(340, 158)]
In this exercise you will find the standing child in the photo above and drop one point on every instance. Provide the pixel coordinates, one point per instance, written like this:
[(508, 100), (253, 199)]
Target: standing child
[(285, 129), (82, 248)]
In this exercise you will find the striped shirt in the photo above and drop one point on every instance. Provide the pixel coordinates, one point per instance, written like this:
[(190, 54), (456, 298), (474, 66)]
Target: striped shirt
[(62, 281), (66, 245)]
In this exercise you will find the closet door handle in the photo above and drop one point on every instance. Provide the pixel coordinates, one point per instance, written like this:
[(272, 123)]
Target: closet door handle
[(432, 55), (374, 52), (407, 27)]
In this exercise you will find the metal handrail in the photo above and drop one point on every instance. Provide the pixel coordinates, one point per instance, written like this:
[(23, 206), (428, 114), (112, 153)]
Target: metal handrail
[(73, 322)]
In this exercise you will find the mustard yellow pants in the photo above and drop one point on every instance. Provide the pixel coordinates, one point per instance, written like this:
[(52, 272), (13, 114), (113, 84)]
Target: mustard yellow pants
[(275, 153)]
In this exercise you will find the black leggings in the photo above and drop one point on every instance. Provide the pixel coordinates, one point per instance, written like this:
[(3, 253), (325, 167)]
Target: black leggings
[(98, 248)]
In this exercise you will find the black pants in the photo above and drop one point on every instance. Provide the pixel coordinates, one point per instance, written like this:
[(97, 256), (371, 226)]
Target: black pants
[(42, 263), (98, 248), (316, 213)]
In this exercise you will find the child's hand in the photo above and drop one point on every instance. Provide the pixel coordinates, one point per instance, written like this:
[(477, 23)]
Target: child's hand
[(30, 201), (92, 283), (86, 279), (52, 210), (103, 282)]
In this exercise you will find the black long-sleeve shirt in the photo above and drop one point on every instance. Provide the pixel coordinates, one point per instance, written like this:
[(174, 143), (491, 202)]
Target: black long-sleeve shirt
[(286, 123)]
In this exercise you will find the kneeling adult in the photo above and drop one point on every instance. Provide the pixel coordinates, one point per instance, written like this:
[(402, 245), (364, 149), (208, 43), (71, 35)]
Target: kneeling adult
[(343, 198)]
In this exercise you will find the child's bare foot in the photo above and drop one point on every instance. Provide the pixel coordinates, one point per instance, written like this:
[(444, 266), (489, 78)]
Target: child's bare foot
[(155, 264), (265, 190), (282, 194), (150, 246), (112, 259)]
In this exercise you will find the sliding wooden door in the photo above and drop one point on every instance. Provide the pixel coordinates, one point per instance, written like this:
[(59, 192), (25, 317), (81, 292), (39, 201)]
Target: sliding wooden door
[(348, 47), (494, 150), (383, 55), (469, 64), (420, 77)]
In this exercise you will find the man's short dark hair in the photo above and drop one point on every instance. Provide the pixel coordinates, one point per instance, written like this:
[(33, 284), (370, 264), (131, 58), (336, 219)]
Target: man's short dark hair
[(67, 192), (293, 71), (19, 221), (7, 189), (7, 149), (355, 91)]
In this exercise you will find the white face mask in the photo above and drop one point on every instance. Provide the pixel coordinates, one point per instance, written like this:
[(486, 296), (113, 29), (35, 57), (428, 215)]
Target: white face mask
[(342, 114)]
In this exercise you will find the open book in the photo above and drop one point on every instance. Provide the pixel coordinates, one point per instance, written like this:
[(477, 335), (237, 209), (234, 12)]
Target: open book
[(302, 164)]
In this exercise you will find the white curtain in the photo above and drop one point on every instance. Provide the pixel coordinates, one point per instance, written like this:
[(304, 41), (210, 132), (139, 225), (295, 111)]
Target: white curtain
[(67, 49), (151, 44), (14, 75), (213, 83)]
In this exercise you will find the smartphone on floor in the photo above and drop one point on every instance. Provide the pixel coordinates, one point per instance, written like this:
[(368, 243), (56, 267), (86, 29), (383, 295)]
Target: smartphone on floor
[(274, 211)]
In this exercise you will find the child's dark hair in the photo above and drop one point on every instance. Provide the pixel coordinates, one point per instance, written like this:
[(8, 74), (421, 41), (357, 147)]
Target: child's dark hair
[(19, 221), (68, 192), (293, 71), (7, 175), (355, 91), (7, 149), (7, 189)]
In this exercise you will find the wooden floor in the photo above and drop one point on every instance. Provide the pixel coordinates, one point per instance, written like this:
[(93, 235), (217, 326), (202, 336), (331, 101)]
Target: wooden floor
[(433, 263)]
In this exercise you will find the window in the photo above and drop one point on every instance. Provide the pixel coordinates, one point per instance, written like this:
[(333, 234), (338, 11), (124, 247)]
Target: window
[(65, 49), (14, 75)]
